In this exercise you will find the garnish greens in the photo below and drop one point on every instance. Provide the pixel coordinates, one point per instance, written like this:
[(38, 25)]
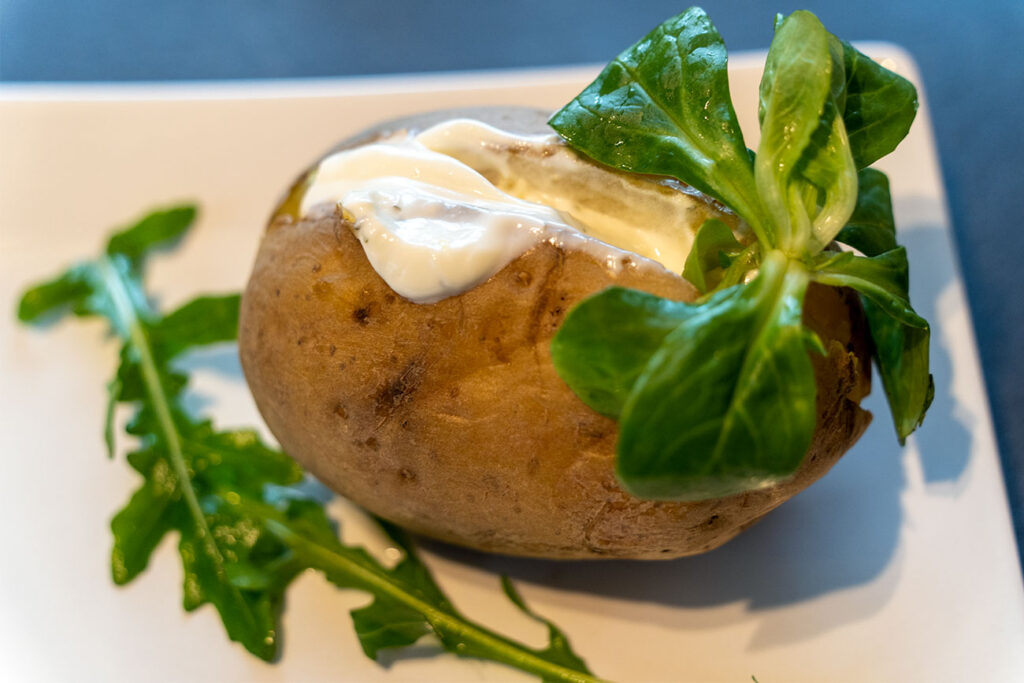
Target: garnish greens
[(718, 397), (246, 528)]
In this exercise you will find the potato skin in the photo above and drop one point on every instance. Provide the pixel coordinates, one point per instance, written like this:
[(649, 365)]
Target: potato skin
[(449, 418)]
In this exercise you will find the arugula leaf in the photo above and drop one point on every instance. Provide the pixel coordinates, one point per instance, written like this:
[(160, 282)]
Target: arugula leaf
[(408, 604), (663, 106), (159, 228), (714, 250), (558, 649), (749, 415), (246, 527)]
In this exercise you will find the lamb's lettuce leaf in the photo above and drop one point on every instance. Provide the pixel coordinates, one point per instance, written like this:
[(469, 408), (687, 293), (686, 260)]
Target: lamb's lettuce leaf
[(871, 229), (607, 340), (879, 107), (826, 111), (663, 106), (737, 375), (715, 248), (882, 278)]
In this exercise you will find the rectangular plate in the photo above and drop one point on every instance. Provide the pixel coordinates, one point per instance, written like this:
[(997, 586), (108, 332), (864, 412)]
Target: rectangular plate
[(899, 565)]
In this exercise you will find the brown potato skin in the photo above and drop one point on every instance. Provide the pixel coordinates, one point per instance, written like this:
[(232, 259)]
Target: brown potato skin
[(449, 419)]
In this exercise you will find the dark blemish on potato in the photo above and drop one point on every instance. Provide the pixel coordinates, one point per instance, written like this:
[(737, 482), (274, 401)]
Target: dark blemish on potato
[(342, 365), (397, 392), (277, 292), (532, 465), (712, 520), (405, 474), (590, 432), (524, 278), (389, 298), (362, 315), (453, 391), (341, 411), (316, 267), (533, 322), (300, 341), (496, 347), (331, 349), (372, 443)]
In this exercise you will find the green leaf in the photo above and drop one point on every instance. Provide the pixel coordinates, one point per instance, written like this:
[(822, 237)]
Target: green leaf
[(202, 321), (113, 391), (872, 228), (607, 340), (882, 278), (825, 110), (901, 337), (70, 290), (727, 404), (879, 109), (246, 526), (714, 249), (663, 107), (797, 114), (388, 622), (558, 649), (159, 228), (407, 590), (141, 524)]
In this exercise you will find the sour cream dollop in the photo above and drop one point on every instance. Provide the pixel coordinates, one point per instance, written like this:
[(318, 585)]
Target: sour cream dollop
[(441, 211)]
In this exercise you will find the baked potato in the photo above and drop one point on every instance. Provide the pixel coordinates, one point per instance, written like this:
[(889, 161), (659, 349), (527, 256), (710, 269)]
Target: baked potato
[(449, 418)]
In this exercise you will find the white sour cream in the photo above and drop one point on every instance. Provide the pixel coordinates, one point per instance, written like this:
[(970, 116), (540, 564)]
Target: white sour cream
[(442, 211)]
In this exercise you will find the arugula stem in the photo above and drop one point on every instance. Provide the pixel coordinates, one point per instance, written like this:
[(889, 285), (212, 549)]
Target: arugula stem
[(506, 651), (120, 296)]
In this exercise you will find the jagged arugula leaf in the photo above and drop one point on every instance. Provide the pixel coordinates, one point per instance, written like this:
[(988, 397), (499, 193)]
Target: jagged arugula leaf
[(156, 229), (558, 649), (245, 525)]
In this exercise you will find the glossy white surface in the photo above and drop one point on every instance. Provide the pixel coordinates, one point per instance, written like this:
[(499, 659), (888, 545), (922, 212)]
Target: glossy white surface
[(442, 210), (899, 565)]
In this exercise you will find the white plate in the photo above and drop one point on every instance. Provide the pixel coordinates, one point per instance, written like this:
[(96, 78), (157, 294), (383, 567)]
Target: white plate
[(899, 565)]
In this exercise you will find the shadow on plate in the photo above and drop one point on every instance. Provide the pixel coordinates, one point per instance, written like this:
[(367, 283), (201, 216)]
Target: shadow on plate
[(842, 532)]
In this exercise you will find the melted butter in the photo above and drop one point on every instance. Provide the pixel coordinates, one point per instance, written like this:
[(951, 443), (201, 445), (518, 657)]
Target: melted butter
[(442, 211)]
